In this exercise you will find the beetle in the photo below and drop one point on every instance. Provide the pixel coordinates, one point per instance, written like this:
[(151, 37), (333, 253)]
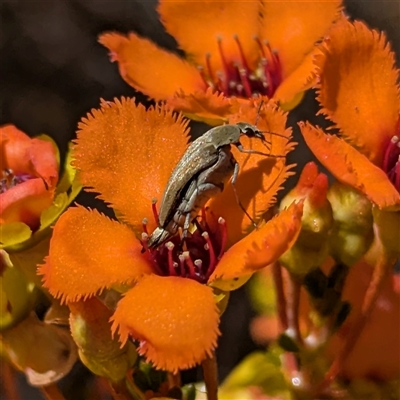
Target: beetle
[(201, 174)]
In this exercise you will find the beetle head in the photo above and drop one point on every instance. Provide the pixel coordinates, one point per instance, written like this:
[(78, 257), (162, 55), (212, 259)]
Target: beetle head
[(250, 131)]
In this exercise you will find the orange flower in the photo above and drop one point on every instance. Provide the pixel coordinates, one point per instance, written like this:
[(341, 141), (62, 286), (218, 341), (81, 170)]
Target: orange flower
[(29, 177), (126, 154), (234, 48), (358, 91)]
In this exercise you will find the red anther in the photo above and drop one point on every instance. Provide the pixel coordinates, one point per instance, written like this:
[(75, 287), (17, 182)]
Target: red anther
[(211, 252), (224, 237), (144, 225), (155, 212), (190, 264), (171, 269)]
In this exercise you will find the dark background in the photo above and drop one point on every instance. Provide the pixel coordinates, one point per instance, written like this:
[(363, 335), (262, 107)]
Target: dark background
[(53, 71)]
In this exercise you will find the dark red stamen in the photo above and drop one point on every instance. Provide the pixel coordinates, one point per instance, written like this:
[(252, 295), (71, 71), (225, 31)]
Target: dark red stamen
[(190, 264), (144, 225), (238, 79), (244, 78), (210, 248), (242, 56), (192, 257), (182, 265), (171, 268), (210, 71)]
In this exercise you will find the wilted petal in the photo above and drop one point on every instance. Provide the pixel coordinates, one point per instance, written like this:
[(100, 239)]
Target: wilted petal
[(358, 87), (150, 69), (90, 252), (127, 154), (174, 319), (351, 167)]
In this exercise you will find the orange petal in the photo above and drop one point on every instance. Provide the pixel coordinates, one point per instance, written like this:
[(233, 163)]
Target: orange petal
[(150, 69), (351, 167), (89, 252), (261, 247), (25, 202), (175, 319), (290, 92), (127, 154), (358, 86), (206, 106), (24, 155), (197, 26), (292, 28), (260, 177)]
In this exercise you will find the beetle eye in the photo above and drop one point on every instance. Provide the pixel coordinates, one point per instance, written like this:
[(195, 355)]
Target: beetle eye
[(249, 132)]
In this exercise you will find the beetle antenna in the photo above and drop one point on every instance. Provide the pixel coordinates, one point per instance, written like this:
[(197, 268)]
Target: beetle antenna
[(276, 134), (259, 112)]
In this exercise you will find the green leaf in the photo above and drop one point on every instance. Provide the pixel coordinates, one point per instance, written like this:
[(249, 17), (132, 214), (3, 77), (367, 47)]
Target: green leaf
[(17, 295), (13, 233)]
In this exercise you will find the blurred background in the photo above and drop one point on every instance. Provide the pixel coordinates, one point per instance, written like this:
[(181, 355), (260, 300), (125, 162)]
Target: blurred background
[(53, 71)]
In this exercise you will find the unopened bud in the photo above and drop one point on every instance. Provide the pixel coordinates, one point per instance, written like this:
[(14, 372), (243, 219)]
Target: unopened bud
[(352, 232), (312, 246), (98, 350)]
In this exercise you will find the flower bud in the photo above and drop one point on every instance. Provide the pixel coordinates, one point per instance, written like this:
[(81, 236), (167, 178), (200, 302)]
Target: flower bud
[(31, 195), (312, 245), (91, 331), (45, 353), (17, 294), (352, 231)]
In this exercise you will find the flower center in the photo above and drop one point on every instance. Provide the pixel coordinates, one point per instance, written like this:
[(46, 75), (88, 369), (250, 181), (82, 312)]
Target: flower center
[(391, 160), (194, 257), (238, 79), (9, 179)]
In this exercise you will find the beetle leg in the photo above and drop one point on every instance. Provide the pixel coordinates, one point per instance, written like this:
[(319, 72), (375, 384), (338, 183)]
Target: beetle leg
[(186, 226), (233, 181)]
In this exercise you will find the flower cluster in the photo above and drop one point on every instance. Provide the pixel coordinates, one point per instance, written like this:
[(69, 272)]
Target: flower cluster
[(144, 289)]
